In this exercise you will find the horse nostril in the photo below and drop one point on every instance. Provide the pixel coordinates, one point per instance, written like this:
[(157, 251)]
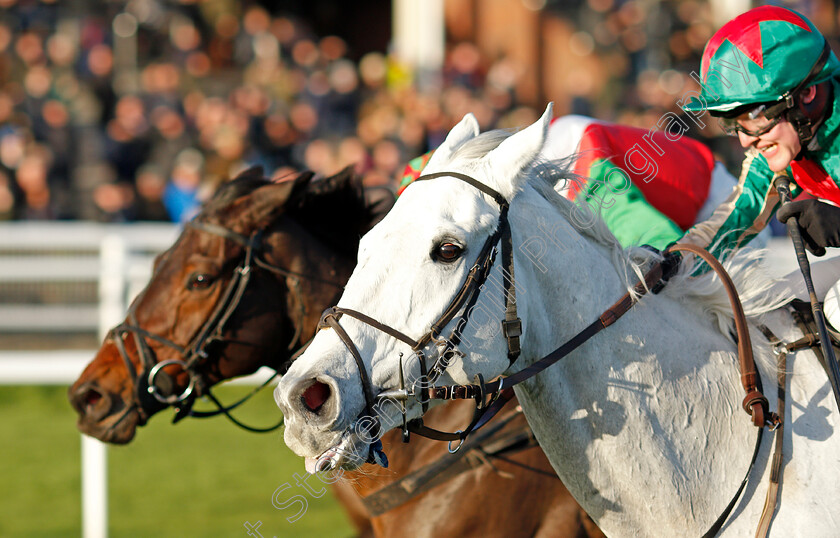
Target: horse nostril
[(91, 397), (90, 401), (315, 396)]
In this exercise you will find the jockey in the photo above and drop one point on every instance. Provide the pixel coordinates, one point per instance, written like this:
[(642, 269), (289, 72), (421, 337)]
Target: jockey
[(771, 79), (647, 189)]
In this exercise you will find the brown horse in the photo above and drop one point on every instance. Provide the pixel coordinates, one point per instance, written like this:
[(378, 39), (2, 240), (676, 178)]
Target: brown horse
[(243, 285), (205, 308)]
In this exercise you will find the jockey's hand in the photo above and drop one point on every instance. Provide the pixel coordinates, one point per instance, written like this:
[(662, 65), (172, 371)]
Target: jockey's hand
[(670, 264), (819, 223), (671, 261)]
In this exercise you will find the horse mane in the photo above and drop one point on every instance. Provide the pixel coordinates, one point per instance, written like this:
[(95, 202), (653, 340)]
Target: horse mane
[(332, 209), (545, 175), (241, 185), (705, 291)]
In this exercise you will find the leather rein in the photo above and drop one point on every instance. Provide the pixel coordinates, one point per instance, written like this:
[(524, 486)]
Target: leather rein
[(153, 385), (491, 397), (754, 404)]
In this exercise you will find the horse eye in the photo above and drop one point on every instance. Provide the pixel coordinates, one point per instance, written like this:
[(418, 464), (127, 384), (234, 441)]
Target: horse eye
[(199, 281), (448, 252)]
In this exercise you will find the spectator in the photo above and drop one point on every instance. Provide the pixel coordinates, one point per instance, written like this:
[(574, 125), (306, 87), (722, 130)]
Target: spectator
[(182, 194), (258, 87)]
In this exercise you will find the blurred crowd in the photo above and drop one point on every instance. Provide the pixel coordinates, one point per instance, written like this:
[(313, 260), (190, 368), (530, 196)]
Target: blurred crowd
[(138, 110)]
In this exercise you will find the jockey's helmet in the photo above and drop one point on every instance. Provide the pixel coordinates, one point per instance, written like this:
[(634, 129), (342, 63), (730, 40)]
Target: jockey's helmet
[(764, 56)]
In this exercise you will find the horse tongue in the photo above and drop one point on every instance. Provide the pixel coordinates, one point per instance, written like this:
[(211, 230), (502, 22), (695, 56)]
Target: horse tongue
[(311, 465)]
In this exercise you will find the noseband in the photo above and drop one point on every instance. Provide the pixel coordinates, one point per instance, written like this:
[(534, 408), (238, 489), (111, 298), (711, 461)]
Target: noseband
[(153, 385), (464, 301)]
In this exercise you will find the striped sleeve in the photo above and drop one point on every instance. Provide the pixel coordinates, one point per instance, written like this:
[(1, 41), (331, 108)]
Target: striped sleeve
[(743, 214)]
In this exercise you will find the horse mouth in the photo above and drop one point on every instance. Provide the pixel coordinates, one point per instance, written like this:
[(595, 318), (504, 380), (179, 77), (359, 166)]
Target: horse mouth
[(349, 454), (325, 462), (119, 431), (103, 417)]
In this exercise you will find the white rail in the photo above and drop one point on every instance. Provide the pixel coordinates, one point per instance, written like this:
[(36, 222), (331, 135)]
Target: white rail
[(116, 259), (62, 367)]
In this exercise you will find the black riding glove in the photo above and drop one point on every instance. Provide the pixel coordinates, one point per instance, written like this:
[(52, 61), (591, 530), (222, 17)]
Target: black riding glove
[(819, 223), (671, 264)]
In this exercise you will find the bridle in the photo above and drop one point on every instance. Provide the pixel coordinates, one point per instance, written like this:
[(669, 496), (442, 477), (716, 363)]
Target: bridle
[(464, 301), (755, 404), (153, 386)]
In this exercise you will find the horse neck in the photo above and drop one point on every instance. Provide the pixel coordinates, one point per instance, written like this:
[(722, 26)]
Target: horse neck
[(324, 271), (564, 269), (656, 393)]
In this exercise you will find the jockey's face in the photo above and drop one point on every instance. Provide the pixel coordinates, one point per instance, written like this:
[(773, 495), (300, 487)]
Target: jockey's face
[(780, 145)]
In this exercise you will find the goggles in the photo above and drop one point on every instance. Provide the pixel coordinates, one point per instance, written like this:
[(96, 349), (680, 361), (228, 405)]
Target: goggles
[(761, 118), (754, 122)]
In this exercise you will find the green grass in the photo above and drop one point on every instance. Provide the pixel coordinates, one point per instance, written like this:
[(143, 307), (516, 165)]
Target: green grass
[(198, 478)]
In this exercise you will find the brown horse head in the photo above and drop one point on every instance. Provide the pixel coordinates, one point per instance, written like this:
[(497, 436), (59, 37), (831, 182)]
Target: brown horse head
[(243, 285)]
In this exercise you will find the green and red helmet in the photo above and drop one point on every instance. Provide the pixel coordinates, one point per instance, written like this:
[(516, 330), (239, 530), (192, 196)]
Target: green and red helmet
[(759, 56)]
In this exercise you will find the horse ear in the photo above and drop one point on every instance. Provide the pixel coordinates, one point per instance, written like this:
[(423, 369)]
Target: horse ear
[(264, 204), (466, 129), (254, 172), (512, 156)]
